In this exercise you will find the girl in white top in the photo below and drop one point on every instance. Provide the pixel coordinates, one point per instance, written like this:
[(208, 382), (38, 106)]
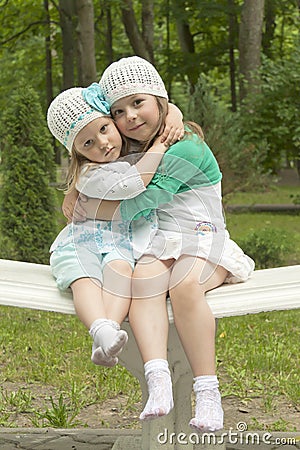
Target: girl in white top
[(191, 253), (96, 258)]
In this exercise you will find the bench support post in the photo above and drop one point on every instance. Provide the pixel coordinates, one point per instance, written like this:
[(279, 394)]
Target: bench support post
[(162, 433)]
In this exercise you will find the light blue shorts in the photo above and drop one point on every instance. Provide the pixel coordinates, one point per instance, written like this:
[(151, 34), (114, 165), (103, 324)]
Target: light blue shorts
[(69, 263)]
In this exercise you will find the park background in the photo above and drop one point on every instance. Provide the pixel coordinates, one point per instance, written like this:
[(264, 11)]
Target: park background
[(233, 67)]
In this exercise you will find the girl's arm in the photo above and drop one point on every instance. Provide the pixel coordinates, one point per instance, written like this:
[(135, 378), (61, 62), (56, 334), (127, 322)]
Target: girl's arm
[(179, 166), (98, 209), (71, 208), (118, 180), (173, 129), (111, 183)]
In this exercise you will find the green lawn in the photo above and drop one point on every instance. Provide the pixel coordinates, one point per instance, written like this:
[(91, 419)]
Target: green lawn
[(275, 194), (240, 224)]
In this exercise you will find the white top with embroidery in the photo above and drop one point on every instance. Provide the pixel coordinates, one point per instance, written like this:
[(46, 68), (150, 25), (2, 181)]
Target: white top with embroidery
[(114, 181)]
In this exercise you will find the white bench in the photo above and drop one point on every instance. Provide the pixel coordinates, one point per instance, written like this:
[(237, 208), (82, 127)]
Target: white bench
[(28, 285)]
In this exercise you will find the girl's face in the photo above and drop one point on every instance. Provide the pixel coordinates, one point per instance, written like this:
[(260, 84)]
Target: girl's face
[(99, 141), (137, 116)]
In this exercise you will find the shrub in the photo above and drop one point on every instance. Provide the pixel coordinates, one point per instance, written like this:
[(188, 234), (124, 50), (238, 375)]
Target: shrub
[(267, 246), (273, 115), (27, 217), (239, 158)]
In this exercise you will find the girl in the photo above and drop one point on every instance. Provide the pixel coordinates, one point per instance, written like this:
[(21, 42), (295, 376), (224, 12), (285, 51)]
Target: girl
[(96, 259), (190, 254)]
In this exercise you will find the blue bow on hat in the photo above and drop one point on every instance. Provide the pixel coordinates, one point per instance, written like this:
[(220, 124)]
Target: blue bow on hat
[(95, 98)]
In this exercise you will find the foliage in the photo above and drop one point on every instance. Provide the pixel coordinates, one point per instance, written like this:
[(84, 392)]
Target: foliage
[(60, 415), (27, 213), (267, 246), (273, 116), (201, 47), (239, 158), (22, 47)]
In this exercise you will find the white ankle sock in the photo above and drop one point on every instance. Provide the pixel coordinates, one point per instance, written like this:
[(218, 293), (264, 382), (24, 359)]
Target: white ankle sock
[(101, 359), (209, 412), (107, 335), (160, 400)]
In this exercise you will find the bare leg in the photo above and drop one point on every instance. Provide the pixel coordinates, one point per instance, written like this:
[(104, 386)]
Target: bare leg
[(117, 298), (88, 300), (193, 318), (117, 279), (103, 309), (89, 307), (148, 312), (191, 279), (150, 323)]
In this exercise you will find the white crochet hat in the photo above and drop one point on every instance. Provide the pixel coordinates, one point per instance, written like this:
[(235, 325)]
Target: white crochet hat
[(128, 76), (72, 110)]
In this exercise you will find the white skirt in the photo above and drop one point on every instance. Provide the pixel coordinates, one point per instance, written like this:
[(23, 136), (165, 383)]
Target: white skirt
[(217, 248)]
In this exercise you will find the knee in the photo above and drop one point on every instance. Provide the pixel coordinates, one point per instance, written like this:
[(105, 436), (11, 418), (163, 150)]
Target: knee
[(119, 267), (140, 272), (188, 287), (141, 282)]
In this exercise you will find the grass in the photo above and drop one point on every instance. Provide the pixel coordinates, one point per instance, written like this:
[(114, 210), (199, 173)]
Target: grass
[(46, 373), (274, 194), (45, 362), (259, 356), (241, 224), (47, 355)]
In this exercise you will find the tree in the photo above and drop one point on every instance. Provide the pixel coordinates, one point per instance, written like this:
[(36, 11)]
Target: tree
[(184, 38), (270, 20), (27, 220), (232, 33), (277, 125), (239, 157), (66, 16), (141, 41), (86, 62), (186, 41), (250, 42)]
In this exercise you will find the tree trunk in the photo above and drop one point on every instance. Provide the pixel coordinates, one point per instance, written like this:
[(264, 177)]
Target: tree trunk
[(268, 36), (86, 63), (250, 41), (108, 34), (232, 33), (136, 38), (148, 26), (187, 46), (49, 82), (66, 13)]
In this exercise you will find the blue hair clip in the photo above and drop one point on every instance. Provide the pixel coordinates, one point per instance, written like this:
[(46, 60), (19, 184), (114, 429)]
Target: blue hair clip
[(94, 97)]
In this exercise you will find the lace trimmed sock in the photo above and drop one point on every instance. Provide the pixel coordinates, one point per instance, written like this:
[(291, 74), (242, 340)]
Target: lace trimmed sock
[(209, 412), (109, 341), (160, 400)]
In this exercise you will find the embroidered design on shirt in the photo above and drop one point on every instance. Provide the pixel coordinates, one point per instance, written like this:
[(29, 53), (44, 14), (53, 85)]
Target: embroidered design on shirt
[(205, 227)]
